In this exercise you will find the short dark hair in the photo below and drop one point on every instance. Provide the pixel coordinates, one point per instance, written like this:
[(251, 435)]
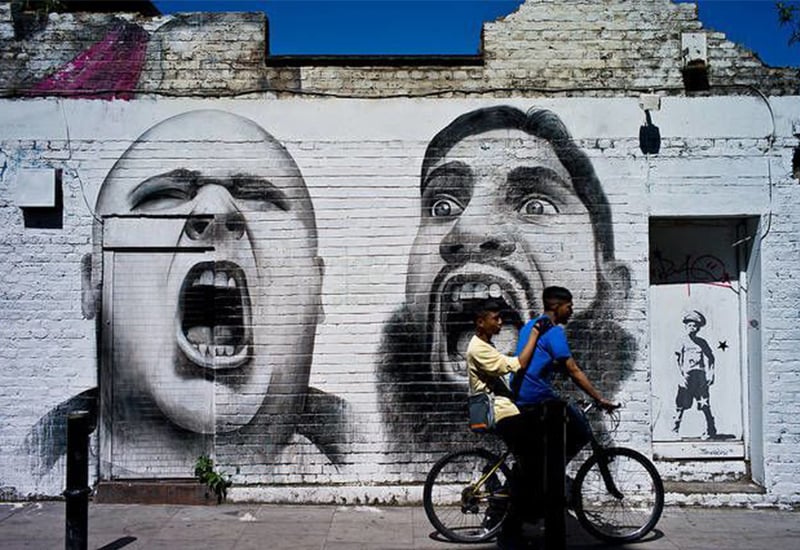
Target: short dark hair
[(543, 124), (552, 296), (484, 307)]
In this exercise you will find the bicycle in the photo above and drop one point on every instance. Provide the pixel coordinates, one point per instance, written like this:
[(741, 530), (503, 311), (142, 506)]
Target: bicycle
[(617, 494)]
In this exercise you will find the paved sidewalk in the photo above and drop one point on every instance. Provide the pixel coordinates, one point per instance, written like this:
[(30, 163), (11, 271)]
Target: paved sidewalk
[(40, 525)]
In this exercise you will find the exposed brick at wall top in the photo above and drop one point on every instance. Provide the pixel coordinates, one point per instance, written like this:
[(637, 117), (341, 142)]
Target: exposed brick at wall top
[(602, 48)]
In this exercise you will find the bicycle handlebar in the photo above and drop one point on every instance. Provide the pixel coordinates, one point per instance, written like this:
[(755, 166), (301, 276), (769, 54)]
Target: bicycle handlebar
[(587, 406)]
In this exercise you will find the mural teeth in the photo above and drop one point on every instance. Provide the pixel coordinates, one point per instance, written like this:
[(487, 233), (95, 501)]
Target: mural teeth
[(231, 282), (203, 349), (206, 278), (495, 291), (480, 290), (466, 291), (221, 279), (228, 350)]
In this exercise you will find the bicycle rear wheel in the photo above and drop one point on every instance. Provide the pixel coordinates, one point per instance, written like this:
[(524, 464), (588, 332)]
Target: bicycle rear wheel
[(466, 495), (626, 510)]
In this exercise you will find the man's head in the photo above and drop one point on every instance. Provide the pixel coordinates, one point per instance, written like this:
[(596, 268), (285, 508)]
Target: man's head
[(510, 205), (693, 321), (218, 326), (488, 318), (557, 301)]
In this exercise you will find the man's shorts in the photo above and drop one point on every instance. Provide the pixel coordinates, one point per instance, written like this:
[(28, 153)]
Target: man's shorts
[(696, 388)]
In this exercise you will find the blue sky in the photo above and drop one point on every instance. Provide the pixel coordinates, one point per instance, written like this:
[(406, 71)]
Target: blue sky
[(453, 26)]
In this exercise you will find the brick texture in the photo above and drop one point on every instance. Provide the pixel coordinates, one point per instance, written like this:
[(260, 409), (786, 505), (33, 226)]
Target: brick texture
[(206, 137)]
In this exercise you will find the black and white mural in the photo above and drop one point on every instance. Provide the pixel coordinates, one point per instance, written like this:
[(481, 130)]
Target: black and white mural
[(206, 283), (508, 205), (695, 362)]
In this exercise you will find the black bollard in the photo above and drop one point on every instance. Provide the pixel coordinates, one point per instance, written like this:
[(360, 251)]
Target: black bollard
[(555, 456), (77, 492)]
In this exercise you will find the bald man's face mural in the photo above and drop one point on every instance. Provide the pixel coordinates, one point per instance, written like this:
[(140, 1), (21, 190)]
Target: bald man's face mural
[(225, 321), (508, 206)]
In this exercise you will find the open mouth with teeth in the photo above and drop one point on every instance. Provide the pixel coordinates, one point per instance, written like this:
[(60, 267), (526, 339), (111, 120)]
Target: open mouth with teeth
[(457, 300), (213, 329)]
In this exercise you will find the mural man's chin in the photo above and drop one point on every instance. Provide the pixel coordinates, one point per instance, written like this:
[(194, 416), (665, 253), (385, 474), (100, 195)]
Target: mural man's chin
[(508, 206)]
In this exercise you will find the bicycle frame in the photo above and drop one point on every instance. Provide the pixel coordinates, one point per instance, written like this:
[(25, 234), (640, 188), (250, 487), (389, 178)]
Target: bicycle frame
[(491, 471), (597, 449)]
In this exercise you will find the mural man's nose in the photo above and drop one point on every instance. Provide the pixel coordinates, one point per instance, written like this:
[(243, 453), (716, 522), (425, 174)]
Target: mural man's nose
[(215, 216), (215, 226), (476, 242)]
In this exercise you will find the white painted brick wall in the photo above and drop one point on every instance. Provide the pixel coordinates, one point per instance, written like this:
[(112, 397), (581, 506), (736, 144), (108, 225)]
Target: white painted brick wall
[(720, 156), (361, 162)]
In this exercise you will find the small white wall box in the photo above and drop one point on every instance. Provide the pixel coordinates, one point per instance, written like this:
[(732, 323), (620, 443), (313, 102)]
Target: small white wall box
[(694, 51), (36, 188), (694, 48)]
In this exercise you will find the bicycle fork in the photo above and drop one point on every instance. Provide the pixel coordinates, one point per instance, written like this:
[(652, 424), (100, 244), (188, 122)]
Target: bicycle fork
[(603, 461)]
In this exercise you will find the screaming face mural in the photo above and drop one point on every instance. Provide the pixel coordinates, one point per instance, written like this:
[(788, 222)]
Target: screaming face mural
[(509, 205), (222, 325), (209, 312)]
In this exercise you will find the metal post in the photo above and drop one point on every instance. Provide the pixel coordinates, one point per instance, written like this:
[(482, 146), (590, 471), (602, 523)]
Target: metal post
[(554, 441), (77, 492)]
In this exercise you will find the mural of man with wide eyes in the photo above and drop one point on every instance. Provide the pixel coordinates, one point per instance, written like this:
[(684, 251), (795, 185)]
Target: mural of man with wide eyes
[(509, 205), (212, 331)]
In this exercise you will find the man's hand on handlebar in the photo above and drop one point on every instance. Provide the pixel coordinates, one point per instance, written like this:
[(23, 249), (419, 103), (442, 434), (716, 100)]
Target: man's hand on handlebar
[(606, 405)]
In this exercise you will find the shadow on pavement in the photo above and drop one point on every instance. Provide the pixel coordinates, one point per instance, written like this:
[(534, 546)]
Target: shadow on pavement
[(119, 543)]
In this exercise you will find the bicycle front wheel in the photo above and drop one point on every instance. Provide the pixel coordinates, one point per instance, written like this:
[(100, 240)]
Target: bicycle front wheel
[(466, 495), (623, 505)]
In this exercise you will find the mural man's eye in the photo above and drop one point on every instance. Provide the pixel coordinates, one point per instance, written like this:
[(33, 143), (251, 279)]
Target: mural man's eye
[(446, 207), (538, 206), (163, 199)]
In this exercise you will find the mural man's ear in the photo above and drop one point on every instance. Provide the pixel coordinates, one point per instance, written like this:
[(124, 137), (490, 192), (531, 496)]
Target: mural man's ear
[(89, 290), (618, 277)]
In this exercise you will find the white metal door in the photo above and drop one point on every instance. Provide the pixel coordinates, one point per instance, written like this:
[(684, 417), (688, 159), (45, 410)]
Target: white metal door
[(696, 301)]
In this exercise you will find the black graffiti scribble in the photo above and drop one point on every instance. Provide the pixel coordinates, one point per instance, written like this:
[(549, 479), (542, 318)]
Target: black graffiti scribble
[(704, 269)]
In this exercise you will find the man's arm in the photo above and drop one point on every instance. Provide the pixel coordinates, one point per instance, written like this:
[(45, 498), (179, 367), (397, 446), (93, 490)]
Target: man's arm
[(679, 358), (584, 384), (494, 363), (710, 358), (527, 352)]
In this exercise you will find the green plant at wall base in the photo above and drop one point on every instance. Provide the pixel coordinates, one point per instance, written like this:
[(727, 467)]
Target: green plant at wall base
[(216, 481)]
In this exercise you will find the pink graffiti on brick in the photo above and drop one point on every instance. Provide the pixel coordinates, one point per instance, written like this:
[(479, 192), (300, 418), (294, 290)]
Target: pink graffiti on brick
[(107, 70)]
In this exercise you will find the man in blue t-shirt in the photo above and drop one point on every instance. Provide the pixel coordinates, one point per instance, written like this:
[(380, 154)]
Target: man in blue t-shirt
[(552, 353)]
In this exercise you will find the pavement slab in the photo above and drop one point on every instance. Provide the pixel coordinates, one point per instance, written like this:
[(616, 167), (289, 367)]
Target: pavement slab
[(247, 526)]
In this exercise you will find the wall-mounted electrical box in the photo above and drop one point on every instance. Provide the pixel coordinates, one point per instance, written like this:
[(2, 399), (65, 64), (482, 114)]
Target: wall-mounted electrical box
[(36, 188)]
